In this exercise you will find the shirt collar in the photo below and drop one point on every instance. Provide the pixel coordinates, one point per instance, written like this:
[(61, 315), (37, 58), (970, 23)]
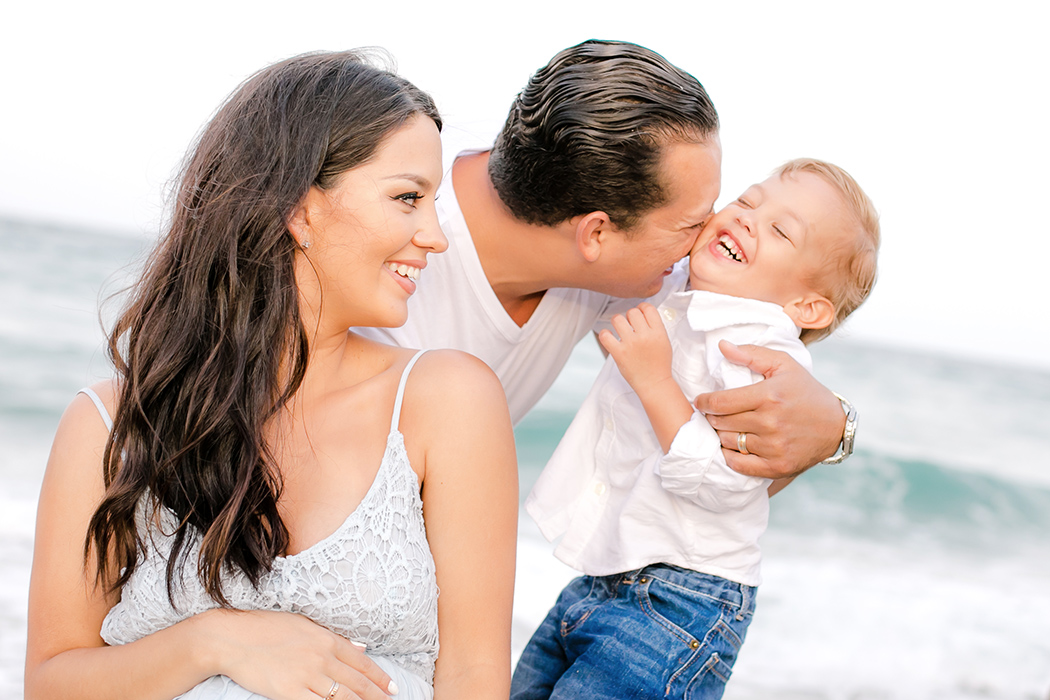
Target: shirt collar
[(706, 311)]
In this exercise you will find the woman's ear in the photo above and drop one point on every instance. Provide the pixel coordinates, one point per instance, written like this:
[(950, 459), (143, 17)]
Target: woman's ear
[(299, 222), (589, 229), (811, 311)]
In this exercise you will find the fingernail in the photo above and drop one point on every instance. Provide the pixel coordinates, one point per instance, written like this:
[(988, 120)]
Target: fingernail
[(392, 688), (359, 645)]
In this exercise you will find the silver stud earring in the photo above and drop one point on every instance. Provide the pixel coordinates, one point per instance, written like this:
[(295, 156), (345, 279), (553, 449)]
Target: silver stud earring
[(305, 245)]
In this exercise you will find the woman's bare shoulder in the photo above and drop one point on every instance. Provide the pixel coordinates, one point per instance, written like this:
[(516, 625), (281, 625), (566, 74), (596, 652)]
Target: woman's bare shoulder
[(450, 387), (75, 462), (108, 390), (457, 374)]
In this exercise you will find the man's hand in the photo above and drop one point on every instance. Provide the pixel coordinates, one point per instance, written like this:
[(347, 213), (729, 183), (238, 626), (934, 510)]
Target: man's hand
[(792, 421)]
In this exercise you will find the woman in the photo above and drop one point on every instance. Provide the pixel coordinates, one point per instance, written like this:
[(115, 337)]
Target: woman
[(256, 514)]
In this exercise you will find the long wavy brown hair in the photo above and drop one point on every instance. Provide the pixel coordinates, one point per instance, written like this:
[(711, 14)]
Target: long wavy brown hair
[(211, 344)]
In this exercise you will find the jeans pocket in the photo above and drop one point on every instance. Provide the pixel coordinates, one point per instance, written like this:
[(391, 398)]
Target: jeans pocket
[(687, 614), (709, 634)]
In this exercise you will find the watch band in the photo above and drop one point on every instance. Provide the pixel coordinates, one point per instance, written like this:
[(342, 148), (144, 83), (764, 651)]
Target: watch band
[(849, 433)]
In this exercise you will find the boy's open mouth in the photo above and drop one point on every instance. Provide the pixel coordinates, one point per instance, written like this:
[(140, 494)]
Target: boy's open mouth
[(730, 249)]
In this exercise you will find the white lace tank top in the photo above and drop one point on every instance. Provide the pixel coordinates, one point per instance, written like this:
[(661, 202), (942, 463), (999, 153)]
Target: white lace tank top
[(372, 580)]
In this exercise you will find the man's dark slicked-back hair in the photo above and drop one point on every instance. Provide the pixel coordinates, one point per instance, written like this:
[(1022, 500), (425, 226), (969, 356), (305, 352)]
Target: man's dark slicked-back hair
[(587, 132)]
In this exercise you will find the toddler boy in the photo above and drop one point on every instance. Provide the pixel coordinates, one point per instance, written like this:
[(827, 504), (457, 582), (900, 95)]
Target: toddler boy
[(639, 490)]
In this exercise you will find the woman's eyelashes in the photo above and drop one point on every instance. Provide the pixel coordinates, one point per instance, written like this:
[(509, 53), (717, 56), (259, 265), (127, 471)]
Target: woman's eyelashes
[(410, 198)]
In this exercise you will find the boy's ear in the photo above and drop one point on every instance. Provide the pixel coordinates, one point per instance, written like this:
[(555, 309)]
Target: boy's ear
[(811, 311), (590, 230)]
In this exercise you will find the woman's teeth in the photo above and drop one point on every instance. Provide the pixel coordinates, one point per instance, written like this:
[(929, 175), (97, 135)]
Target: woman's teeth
[(730, 249), (408, 271)]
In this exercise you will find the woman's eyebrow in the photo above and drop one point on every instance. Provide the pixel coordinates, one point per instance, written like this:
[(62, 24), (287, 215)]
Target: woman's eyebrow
[(412, 177)]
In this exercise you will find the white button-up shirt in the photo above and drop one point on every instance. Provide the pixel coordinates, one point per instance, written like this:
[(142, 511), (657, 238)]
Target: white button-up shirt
[(619, 503)]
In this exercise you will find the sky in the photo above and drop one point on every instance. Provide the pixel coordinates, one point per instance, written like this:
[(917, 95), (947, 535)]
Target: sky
[(938, 109)]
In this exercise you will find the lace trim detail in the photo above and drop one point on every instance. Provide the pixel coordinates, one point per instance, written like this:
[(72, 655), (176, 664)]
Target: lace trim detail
[(372, 580)]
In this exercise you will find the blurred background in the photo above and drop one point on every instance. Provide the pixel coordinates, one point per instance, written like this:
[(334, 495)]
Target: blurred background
[(918, 569)]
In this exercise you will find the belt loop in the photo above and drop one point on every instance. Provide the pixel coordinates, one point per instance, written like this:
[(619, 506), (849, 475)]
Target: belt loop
[(747, 599)]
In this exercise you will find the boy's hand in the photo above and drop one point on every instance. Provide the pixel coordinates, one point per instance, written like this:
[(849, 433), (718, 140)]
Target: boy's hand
[(792, 421), (643, 354), (643, 351)]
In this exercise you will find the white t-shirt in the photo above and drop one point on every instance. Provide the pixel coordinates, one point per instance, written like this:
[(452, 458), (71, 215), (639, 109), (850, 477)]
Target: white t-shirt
[(454, 307), (619, 503)]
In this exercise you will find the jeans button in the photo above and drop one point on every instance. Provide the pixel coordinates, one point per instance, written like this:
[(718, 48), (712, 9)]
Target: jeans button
[(694, 644)]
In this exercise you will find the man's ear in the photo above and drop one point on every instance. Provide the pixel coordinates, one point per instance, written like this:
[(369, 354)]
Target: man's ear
[(589, 234), (811, 311)]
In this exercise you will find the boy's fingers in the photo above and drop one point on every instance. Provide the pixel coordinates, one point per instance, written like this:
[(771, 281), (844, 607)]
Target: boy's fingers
[(621, 325), (636, 318), (652, 315)]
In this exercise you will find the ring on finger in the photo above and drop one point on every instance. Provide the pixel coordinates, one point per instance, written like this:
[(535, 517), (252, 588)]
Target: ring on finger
[(741, 443), (332, 692)]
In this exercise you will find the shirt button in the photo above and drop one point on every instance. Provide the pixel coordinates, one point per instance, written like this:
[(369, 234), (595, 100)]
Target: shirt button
[(608, 424), (669, 314), (599, 489)]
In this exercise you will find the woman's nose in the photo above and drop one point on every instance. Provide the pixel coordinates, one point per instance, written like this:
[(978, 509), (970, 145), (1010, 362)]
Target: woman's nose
[(430, 234)]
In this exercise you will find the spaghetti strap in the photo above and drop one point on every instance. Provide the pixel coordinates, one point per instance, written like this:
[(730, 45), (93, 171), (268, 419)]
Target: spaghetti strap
[(395, 420), (90, 393)]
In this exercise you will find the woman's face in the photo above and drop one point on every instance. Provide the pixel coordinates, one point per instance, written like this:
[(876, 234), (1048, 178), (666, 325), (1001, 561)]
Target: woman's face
[(370, 234)]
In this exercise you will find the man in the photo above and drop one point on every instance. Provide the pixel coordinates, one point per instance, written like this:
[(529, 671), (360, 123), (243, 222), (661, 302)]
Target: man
[(606, 170)]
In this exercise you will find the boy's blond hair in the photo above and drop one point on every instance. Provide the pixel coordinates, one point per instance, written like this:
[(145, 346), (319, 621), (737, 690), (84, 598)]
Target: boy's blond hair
[(849, 274)]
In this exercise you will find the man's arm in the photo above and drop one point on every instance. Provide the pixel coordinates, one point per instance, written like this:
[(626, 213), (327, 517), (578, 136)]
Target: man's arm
[(792, 421)]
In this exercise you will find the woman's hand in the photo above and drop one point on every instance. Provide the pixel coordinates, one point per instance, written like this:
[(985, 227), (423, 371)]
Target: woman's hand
[(792, 421), (284, 656)]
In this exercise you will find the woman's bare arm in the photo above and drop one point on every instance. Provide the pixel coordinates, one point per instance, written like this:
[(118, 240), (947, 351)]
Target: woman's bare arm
[(470, 505)]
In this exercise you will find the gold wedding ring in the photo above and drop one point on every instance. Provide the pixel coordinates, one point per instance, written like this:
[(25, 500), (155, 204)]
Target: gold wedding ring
[(332, 692), (741, 443)]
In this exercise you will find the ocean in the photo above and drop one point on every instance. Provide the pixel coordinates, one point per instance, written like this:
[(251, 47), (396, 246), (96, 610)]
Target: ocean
[(919, 569)]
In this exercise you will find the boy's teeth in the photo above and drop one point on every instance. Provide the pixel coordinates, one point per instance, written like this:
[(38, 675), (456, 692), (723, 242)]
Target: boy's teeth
[(729, 248)]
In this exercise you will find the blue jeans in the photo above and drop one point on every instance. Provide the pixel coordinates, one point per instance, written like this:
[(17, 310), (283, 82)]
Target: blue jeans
[(659, 632)]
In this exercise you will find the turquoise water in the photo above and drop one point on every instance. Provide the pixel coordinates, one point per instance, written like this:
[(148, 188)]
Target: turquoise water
[(920, 568)]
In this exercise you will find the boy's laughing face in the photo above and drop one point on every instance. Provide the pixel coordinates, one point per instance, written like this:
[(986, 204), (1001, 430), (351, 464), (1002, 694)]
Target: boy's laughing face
[(770, 242)]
